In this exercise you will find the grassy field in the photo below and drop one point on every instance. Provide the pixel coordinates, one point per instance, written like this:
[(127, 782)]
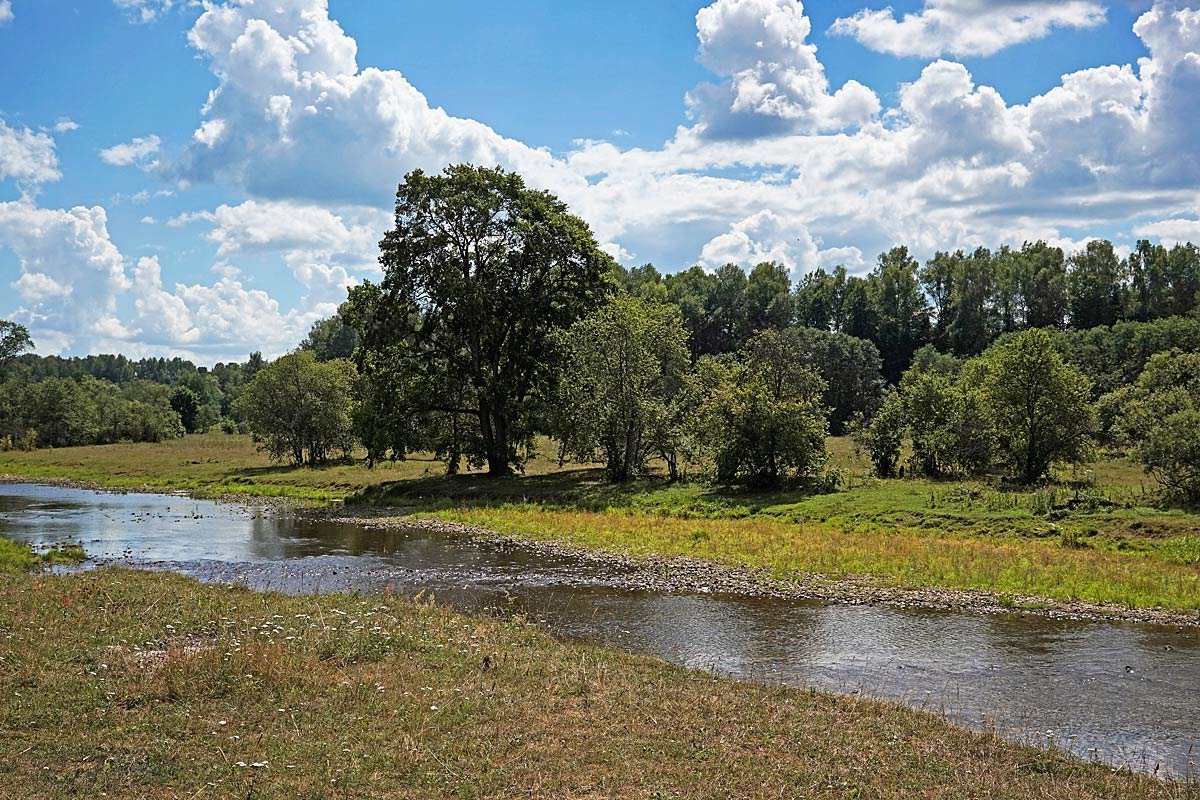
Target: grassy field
[(1097, 535), (139, 685)]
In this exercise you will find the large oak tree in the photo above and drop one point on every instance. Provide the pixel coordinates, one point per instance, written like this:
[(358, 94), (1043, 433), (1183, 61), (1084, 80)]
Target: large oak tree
[(480, 272)]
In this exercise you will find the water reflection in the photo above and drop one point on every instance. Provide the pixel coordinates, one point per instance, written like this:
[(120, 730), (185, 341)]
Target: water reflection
[(1123, 693)]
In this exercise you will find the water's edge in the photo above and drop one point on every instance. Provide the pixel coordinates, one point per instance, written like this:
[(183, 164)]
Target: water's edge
[(692, 575)]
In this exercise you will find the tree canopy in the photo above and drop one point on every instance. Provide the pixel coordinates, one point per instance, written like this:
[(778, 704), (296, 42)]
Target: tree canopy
[(624, 369), (14, 340), (1039, 405), (300, 408), (480, 273)]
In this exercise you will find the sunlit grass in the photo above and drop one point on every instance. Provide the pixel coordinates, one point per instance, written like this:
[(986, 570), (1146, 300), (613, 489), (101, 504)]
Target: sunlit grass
[(16, 557), (897, 557)]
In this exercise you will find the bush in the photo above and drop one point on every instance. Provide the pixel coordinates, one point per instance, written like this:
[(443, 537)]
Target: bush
[(1038, 405), (883, 436), (761, 421), (1160, 419)]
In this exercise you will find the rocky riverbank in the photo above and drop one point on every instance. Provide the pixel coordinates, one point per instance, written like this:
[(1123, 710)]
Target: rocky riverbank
[(687, 575)]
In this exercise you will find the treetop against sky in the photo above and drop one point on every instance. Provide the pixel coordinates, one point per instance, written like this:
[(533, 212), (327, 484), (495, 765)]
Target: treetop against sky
[(208, 179)]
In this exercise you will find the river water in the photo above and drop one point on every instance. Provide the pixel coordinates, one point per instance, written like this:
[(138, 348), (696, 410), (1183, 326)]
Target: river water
[(1125, 694)]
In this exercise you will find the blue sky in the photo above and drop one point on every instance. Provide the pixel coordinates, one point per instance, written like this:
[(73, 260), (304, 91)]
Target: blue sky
[(140, 213)]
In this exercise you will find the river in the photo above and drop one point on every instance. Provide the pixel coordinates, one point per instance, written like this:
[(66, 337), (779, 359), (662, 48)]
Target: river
[(1126, 694)]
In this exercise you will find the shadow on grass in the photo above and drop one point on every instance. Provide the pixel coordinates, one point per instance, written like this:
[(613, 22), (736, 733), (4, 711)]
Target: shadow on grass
[(578, 489)]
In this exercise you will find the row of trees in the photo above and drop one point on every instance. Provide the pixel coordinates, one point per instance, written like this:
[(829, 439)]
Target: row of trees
[(628, 392), (60, 412), (51, 401), (959, 302), (1022, 407), (498, 316), (1018, 406)]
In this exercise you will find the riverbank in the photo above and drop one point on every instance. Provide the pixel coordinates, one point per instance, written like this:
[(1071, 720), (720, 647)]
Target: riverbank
[(136, 684), (1096, 544), (680, 573)]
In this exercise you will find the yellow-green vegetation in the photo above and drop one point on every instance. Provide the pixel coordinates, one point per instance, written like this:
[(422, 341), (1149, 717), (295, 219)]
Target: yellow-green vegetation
[(1097, 535), (16, 557), (208, 465), (127, 685)]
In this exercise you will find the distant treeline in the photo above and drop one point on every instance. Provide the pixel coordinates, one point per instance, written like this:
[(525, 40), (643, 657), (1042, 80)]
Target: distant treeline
[(958, 302), (51, 401)]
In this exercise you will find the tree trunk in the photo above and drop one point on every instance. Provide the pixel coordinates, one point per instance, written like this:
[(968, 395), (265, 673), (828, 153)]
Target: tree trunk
[(496, 442)]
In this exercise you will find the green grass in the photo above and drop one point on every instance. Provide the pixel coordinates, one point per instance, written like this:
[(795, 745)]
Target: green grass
[(1097, 534), (139, 685), (16, 557), (900, 557)]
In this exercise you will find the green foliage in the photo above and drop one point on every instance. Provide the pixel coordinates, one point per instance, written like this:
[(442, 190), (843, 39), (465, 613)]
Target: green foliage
[(1038, 405), (962, 288), (1115, 356), (300, 408), (14, 340), (1160, 416), (67, 412), (769, 302), (62, 412), (850, 368), (480, 273), (331, 338), (1097, 295), (146, 415), (761, 420), (1031, 287), (930, 405), (622, 379), (187, 406), (902, 314), (928, 359), (882, 437), (947, 420)]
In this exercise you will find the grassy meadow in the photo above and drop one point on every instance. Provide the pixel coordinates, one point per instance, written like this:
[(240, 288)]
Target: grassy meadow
[(1098, 534), (127, 684)]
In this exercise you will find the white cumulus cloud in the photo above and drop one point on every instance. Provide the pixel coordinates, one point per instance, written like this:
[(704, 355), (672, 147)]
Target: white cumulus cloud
[(140, 152), (293, 115), (966, 27), (764, 236), (775, 83), (71, 273), (6, 12), (27, 156)]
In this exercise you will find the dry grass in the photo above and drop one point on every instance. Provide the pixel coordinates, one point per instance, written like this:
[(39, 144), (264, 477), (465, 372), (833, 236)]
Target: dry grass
[(250, 695)]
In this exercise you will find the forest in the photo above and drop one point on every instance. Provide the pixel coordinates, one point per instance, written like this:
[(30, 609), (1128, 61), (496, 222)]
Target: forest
[(499, 320)]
